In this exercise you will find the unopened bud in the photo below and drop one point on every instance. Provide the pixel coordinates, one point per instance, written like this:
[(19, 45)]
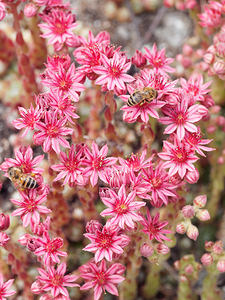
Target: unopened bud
[(181, 228), (139, 59), (209, 246), (177, 264), (200, 201), (189, 269), (192, 176), (219, 67), (162, 249), (187, 50), (4, 222), (188, 211), (2, 11), (208, 58), (203, 215), (3, 238), (146, 250), (192, 232), (218, 247), (183, 278), (221, 265), (207, 259), (30, 10), (93, 226)]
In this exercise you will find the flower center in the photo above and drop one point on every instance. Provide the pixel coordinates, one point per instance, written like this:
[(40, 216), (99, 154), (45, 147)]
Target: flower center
[(71, 166), (31, 206), (97, 163), (156, 182), (59, 28), (180, 118), (54, 245), (121, 208), (101, 278), (57, 280), (133, 162), (52, 131), (115, 71), (64, 85), (193, 138), (181, 155), (104, 240)]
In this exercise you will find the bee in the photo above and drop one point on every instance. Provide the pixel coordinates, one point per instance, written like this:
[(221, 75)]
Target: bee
[(147, 94), (21, 180)]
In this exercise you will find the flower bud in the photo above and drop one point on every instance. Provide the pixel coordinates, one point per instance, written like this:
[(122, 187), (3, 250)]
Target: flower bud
[(146, 250), (192, 176), (181, 228), (189, 269), (221, 265), (203, 215), (200, 201), (219, 67), (3, 238), (207, 259), (2, 11), (188, 211), (209, 246), (192, 232), (139, 59), (162, 249), (183, 278), (177, 264), (187, 49), (218, 247), (4, 222), (93, 226), (30, 10)]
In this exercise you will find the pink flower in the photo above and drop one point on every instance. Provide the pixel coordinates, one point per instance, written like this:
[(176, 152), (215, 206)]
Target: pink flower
[(24, 159), (66, 81), (135, 162), (158, 60), (63, 105), (159, 185), (4, 238), (50, 249), (122, 208), (197, 143), (51, 133), (211, 17), (143, 111), (2, 11), (105, 243), (97, 163), (29, 118), (70, 167), (195, 88), (180, 118), (30, 208), (113, 72), (179, 157), (4, 288), (89, 54), (139, 59), (102, 279), (39, 229), (58, 27), (54, 280), (154, 228)]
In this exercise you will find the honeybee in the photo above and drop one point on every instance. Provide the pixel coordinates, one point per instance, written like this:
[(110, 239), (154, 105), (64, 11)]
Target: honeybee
[(21, 180), (147, 94)]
